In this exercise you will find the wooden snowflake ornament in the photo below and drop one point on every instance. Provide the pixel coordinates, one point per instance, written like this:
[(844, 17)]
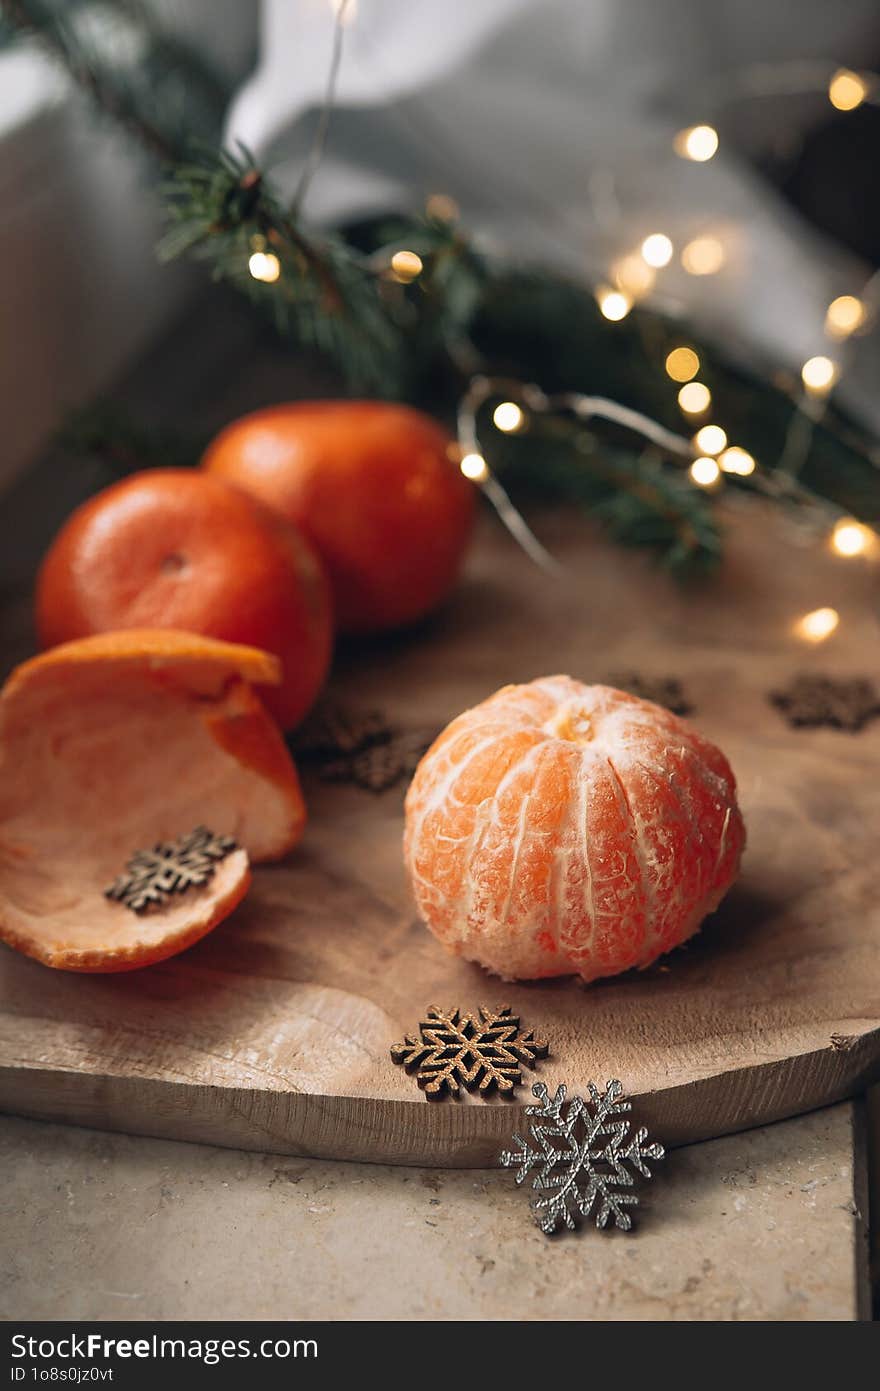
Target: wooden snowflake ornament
[(152, 876), (481, 1052), (812, 700), (580, 1151)]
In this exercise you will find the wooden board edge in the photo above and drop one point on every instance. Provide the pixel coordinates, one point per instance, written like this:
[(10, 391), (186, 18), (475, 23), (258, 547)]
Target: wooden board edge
[(419, 1133)]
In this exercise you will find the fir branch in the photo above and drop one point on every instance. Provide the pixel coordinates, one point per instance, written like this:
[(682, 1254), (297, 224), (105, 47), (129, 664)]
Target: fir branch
[(637, 499), (156, 88), (221, 209), (330, 295), (116, 444)]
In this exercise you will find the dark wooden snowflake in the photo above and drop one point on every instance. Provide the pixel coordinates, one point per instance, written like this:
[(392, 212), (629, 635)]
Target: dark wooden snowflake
[(360, 748), (171, 867), (582, 1154), (484, 1051), (812, 700), (662, 690)]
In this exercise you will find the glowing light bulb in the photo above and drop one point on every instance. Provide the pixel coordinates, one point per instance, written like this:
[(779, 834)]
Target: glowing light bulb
[(474, 467), (703, 256), (442, 208), (508, 417), (345, 11), (614, 304), (657, 250), (705, 471), (847, 90), (845, 315), (264, 266), (711, 439), (819, 375), (818, 625), (850, 537), (696, 142), (694, 398), (682, 364), (736, 460), (406, 266), (633, 276)]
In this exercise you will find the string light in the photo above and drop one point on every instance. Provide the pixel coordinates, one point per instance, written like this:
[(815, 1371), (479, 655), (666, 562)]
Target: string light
[(703, 256), (711, 439), (736, 460), (850, 538), (508, 417), (474, 467), (847, 90), (845, 315), (406, 266), (819, 375), (705, 471), (818, 625), (682, 364), (694, 398), (614, 304), (657, 250), (264, 266), (696, 142), (633, 276)]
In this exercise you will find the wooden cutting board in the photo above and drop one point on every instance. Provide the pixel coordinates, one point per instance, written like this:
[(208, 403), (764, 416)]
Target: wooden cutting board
[(274, 1032)]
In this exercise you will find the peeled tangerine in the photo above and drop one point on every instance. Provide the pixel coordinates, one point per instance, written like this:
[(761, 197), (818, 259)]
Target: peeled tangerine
[(114, 742), (561, 829)]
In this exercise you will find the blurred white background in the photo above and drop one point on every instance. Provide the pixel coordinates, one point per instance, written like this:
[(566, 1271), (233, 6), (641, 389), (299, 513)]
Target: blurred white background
[(550, 122)]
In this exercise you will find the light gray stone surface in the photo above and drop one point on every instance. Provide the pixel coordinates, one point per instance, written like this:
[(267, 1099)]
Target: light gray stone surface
[(765, 1225)]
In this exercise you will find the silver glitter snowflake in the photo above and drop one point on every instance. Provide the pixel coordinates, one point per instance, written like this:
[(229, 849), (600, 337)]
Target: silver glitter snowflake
[(580, 1152), (152, 876)]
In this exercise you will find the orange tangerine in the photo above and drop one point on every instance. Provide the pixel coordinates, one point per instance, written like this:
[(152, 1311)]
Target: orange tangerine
[(562, 829), (176, 548), (373, 487)]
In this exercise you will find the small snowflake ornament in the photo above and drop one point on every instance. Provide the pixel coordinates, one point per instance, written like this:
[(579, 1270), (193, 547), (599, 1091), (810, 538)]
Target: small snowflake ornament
[(152, 876), (811, 700), (483, 1051), (580, 1151), (662, 690)]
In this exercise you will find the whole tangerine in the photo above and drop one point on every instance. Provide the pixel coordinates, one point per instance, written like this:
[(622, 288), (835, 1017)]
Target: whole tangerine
[(178, 548), (373, 485), (561, 829)]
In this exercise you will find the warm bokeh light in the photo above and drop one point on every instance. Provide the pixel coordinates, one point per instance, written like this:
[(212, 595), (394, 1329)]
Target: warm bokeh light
[(705, 472), (850, 537), (845, 315), (682, 364), (442, 208), (736, 460), (697, 142), (818, 625), (633, 276), (703, 256), (508, 417), (406, 266), (694, 398), (657, 250), (711, 439), (819, 375), (847, 90), (614, 304), (265, 266), (474, 466)]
